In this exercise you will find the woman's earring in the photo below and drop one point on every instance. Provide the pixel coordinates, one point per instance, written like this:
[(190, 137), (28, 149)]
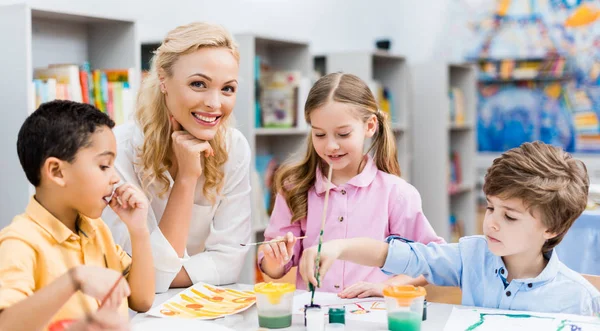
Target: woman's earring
[(163, 89)]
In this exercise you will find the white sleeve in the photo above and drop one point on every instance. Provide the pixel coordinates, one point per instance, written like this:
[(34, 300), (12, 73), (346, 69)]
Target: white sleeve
[(167, 263), (222, 260)]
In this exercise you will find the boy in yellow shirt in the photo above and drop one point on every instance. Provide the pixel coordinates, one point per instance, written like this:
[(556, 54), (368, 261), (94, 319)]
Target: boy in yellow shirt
[(58, 260)]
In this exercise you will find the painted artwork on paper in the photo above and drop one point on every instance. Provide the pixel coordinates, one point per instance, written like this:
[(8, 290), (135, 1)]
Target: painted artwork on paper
[(205, 302), (462, 319)]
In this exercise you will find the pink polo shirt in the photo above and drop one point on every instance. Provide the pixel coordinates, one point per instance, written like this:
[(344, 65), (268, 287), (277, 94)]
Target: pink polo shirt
[(373, 204)]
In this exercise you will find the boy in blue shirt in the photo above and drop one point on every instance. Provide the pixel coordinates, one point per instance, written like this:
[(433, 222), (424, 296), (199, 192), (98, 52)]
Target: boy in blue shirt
[(534, 194)]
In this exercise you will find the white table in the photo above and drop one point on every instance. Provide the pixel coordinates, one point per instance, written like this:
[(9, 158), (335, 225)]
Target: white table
[(437, 315)]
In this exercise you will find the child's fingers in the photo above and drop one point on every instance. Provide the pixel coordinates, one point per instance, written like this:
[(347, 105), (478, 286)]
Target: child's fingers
[(118, 194), (127, 289), (289, 237), (303, 268), (120, 293), (366, 293), (290, 242), (121, 189), (139, 198), (126, 197), (132, 201), (109, 303), (310, 270), (116, 301), (325, 265), (130, 197), (276, 252), (307, 266), (124, 285), (113, 203), (136, 201), (140, 204), (353, 290), (268, 251), (113, 301), (348, 291), (283, 250)]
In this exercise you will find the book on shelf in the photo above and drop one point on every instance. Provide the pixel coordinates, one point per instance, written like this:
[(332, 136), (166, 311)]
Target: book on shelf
[(454, 173), (457, 229), (506, 69), (546, 68), (67, 80), (588, 143), (266, 166), (109, 90), (280, 97), (586, 122), (257, 92), (457, 106), (384, 98)]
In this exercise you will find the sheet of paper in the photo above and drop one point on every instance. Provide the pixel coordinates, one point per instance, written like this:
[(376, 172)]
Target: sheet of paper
[(205, 302), (472, 319), (366, 309)]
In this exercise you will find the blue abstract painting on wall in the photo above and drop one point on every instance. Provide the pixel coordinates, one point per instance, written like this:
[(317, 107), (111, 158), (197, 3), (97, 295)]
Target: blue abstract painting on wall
[(509, 116), (522, 95)]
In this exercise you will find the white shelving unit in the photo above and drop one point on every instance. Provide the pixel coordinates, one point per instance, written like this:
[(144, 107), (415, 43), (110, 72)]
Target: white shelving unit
[(434, 137), (36, 38), (391, 71), (281, 54)]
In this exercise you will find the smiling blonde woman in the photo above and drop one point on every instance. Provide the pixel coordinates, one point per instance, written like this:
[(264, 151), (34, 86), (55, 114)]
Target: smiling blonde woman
[(192, 165)]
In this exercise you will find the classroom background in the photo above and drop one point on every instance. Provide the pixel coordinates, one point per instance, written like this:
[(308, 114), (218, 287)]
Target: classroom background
[(462, 81)]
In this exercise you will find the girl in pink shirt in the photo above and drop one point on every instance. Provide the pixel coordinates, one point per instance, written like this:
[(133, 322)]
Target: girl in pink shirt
[(367, 196)]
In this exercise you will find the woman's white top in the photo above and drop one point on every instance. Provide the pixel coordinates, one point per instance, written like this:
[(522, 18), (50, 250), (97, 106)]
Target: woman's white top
[(213, 252)]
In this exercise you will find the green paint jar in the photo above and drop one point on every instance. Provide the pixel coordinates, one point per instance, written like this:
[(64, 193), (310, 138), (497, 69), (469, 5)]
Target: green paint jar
[(337, 315), (404, 307), (274, 302)]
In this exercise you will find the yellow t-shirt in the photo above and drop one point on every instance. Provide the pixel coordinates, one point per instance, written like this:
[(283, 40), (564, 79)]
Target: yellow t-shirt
[(36, 248)]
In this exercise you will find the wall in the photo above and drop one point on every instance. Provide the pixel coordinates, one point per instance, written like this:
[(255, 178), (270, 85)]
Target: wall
[(415, 26)]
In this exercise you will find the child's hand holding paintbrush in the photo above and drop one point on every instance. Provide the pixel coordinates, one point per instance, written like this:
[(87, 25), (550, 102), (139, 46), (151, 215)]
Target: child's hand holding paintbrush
[(105, 285), (330, 252), (280, 250)]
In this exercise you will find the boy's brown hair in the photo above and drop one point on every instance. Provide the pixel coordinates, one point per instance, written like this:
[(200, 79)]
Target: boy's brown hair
[(546, 179)]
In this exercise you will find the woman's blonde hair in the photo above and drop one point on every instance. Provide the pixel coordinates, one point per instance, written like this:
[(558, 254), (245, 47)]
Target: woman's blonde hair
[(152, 114), (294, 179)]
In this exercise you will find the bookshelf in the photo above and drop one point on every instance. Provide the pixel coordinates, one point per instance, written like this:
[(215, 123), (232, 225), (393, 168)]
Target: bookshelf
[(389, 71), (280, 54), (553, 67), (38, 38), (436, 135)]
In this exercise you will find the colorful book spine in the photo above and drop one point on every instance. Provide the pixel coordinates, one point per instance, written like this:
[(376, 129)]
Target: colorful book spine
[(108, 90)]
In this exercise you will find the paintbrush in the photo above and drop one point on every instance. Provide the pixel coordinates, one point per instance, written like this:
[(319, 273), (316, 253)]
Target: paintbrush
[(318, 260), (112, 289), (270, 241)]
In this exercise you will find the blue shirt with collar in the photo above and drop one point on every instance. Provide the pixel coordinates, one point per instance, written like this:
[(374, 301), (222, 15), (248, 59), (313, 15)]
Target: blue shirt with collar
[(482, 276)]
